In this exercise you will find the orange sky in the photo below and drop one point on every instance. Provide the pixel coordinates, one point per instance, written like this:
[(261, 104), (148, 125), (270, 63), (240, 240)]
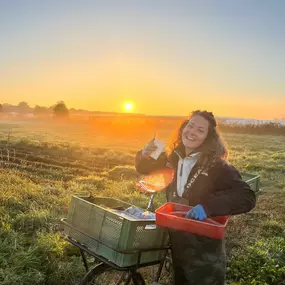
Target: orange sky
[(106, 85), (163, 58)]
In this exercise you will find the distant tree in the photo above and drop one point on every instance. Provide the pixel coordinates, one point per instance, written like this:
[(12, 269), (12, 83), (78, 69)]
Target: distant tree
[(1, 108), (9, 108), (23, 107), (60, 110), (40, 111)]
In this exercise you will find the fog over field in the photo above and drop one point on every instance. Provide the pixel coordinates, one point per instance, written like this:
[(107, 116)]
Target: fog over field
[(244, 121)]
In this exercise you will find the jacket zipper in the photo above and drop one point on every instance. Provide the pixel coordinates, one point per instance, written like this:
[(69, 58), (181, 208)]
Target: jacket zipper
[(180, 175), (181, 170)]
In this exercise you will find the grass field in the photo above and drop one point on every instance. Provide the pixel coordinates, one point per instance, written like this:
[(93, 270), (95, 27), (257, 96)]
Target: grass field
[(43, 164)]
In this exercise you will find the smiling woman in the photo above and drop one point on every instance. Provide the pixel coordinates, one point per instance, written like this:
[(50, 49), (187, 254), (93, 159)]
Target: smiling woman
[(204, 180)]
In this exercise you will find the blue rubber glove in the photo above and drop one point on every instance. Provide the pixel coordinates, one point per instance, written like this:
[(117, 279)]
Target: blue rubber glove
[(197, 213)]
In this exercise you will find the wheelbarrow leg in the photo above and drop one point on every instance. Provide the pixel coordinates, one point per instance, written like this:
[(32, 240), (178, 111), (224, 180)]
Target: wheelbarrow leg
[(84, 260), (159, 270)]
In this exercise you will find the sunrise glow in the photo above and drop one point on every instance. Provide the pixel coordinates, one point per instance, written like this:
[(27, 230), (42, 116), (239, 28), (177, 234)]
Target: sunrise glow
[(128, 107), (99, 57)]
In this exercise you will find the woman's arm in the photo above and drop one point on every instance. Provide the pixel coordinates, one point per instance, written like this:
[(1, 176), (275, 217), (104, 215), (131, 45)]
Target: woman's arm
[(146, 164), (232, 196)]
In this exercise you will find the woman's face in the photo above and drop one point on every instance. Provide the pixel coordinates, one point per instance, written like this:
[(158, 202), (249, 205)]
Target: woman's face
[(195, 133)]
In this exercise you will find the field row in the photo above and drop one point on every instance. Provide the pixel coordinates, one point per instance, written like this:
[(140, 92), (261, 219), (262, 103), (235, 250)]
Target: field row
[(44, 164)]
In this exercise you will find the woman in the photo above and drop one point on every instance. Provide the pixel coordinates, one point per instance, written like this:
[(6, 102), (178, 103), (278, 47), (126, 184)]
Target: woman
[(204, 180)]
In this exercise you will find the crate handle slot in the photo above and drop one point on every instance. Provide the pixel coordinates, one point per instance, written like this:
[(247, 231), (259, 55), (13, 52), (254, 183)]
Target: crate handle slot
[(150, 227)]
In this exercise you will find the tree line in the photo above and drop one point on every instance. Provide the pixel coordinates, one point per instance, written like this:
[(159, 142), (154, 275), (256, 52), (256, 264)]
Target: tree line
[(58, 110)]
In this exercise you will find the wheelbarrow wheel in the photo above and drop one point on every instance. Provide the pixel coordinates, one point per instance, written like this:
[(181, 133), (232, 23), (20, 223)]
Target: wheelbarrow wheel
[(104, 274)]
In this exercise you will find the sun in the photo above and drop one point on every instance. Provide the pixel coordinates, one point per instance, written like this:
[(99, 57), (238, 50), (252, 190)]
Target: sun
[(128, 107)]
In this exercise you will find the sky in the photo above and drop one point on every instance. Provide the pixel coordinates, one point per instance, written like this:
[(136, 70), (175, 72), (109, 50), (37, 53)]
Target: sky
[(163, 57)]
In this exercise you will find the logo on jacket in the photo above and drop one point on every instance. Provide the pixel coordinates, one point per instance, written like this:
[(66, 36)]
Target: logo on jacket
[(195, 176)]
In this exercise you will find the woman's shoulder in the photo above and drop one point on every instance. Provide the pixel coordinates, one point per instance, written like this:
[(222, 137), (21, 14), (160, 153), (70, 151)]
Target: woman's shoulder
[(223, 167)]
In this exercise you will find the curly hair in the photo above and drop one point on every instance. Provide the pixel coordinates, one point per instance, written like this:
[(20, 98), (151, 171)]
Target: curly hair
[(213, 147)]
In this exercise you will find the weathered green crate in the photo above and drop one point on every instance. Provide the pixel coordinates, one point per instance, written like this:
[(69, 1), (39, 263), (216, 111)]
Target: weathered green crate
[(120, 259), (91, 222), (252, 180)]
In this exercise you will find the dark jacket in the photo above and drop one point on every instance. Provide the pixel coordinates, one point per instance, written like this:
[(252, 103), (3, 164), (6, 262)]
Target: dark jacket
[(220, 190)]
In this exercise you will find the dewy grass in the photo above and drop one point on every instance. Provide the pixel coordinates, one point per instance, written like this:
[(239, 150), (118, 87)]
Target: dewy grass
[(45, 169)]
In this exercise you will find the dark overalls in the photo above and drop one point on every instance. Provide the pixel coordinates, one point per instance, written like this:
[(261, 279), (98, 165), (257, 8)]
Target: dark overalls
[(197, 260)]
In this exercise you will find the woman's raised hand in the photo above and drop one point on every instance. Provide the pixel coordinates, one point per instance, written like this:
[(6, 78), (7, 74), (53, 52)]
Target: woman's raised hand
[(149, 148)]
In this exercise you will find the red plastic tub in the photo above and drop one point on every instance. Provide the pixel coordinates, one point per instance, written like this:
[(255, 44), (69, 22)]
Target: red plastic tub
[(171, 215)]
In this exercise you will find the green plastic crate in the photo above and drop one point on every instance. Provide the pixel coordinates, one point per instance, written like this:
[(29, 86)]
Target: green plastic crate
[(252, 180), (120, 259), (92, 222)]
